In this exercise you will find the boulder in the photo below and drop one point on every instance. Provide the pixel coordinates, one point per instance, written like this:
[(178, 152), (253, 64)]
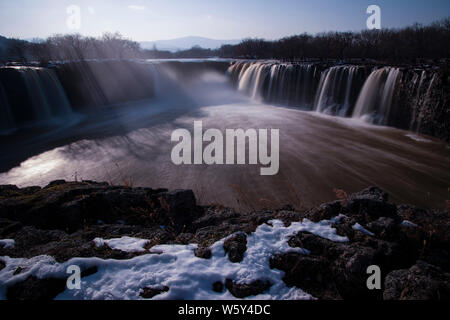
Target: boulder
[(422, 281), (236, 246), (244, 290)]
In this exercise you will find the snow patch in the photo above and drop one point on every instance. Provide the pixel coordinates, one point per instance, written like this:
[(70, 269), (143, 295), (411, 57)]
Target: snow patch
[(409, 224), (7, 243), (175, 266), (127, 244)]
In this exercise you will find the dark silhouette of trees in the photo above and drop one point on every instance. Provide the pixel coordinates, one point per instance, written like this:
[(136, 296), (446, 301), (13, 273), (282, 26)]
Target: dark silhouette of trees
[(416, 42), (410, 43)]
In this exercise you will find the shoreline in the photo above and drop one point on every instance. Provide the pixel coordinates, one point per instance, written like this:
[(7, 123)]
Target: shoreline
[(63, 219)]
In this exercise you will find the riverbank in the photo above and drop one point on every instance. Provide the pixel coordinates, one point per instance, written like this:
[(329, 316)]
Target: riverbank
[(324, 252)]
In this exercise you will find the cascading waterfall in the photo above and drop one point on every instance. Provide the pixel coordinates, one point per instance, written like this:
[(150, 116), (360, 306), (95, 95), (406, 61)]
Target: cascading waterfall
[(48, 97), (337, 86), (290, 84), (376, 98), (44, 98), (7, 124), (418, 117)]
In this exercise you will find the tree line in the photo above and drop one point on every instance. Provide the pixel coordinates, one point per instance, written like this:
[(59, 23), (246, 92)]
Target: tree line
[(410, 43)]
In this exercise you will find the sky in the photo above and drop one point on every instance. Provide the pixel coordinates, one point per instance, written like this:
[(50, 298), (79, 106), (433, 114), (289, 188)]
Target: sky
[(149, 20)]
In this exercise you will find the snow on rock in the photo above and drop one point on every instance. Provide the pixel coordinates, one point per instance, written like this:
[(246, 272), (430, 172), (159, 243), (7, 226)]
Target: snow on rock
[(360, 228), (409, 224), (127, 244), (177, 268), (7, 243)]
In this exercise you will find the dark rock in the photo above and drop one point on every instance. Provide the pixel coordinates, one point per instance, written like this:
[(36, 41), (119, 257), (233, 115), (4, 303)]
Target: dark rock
[(150, 292), (236, 246), (315, 244), (310, 273), (246, 290), (217, 286), (180, 205), (55, 183), (325, 211), (8, 227), (349, 271), (2, 265), (203, 253), (184, 238), (9, 191), (384, 228), (421, 282), (371, 193), (36, 289)]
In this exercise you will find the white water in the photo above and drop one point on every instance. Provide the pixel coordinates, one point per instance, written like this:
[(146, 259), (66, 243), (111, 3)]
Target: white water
[(334, 83), (376, 97)]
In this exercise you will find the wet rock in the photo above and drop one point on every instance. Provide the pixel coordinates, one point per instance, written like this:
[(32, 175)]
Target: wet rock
[(150, 292), (235, 247), (244, 290), (203, 253), (34, 289), (421, 282)]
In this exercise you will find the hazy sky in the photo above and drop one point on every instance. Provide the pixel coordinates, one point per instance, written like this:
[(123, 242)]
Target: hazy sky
[(218, 19)]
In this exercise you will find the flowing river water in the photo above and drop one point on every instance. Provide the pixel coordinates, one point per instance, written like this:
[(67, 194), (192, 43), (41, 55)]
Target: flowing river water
[(318, 153)]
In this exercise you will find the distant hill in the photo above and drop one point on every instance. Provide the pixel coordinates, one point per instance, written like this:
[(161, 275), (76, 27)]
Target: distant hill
[(186, 43)]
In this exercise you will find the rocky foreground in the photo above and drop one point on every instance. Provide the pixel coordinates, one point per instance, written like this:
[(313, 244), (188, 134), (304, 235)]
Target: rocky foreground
[(410, 245)]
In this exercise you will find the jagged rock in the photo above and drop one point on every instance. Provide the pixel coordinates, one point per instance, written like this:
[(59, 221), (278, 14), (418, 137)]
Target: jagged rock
[(35, 289), (310, 273), (150, 292), (325, 211), (2, 265), (371, 193), (421, 282), (236, 246), (349, 271), (55, 183), (202, 252), (384, 228), (243, 290), (315, 244)]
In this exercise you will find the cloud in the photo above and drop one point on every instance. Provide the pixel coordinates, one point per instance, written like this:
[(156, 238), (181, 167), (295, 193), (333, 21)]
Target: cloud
[(135, 7)]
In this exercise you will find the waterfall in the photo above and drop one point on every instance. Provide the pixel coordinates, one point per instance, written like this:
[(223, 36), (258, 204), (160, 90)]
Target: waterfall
[(35, 95), (334, 95), (376, 98), (425, 102), (288, 84), (7, 124)]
